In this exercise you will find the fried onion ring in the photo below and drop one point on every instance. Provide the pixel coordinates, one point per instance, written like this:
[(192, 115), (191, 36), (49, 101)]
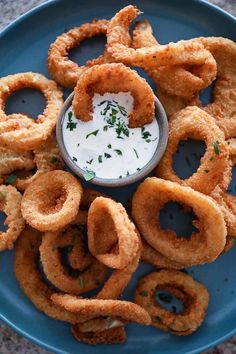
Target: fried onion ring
[(10, 202), (180, 53), (109, 224), (115, 335), (19, 132), (29, 278), (51, 202), (175, 80), (224, 92), (11, 161), (93, 308), (114, 78), (226, 200), (192, 122), (91, 272), (62, 69), (46, 158), (119, 279), (204, 246), (194, 295)]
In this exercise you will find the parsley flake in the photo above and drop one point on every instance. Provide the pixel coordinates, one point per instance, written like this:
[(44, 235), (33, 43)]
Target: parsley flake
[(92, 133), (100, 158), (119, 152), (135, 151), (216, 147), (54, 159), (107, 155), (10, 179), (74, 158), (88, 175)]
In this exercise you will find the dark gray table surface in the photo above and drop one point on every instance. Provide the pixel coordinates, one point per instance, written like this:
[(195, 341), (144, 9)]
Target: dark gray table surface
[(9, 341)]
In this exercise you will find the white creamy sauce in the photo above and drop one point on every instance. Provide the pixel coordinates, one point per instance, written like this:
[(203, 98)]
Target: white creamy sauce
[(106, 147)]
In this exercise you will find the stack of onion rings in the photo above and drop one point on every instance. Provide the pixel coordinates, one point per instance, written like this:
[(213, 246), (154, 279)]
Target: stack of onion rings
[(181, 81)]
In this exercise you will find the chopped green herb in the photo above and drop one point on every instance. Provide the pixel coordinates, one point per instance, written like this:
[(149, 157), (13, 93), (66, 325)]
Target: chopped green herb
[(81, 279), (228, 142), (158, 318), (70, 124), (107, 155), (78, 144), (92, 133), (211, 158), (54, 159), (138, 169), (105, 128), (89, 174), (120, 176), (145, 134), (135, 151), (74, 158), (119, 152), (127, 173), (100, 158), (148, 140), (216, 147), (10, 179), (206, 171), (143, 293), (165, 297), (113, 115), (122, 109), (68, 249), (89, 162), (109, 146)]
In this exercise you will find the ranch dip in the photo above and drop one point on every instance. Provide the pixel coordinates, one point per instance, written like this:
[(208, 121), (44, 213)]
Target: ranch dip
[(106, 147)]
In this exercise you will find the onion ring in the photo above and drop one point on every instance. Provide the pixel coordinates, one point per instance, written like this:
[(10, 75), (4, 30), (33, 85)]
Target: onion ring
[(180, 53), (204, 246), (192, 122), (10, 202), (62, 69), (93, 308), (46, 158), (118, 280), (11, 161), (224, 92), (108, 224), (19, 132), (109, 336), (193, 294), (25, 263), (52, 201), (114, 78), (226, 200), (91, 273), (175, 80)]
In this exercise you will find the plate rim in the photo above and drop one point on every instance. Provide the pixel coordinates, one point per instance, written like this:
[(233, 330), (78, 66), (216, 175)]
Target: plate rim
[(4, 319)]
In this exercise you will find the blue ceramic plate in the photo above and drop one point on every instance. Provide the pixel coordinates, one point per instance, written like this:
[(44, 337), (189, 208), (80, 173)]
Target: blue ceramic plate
[(24, 45)]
